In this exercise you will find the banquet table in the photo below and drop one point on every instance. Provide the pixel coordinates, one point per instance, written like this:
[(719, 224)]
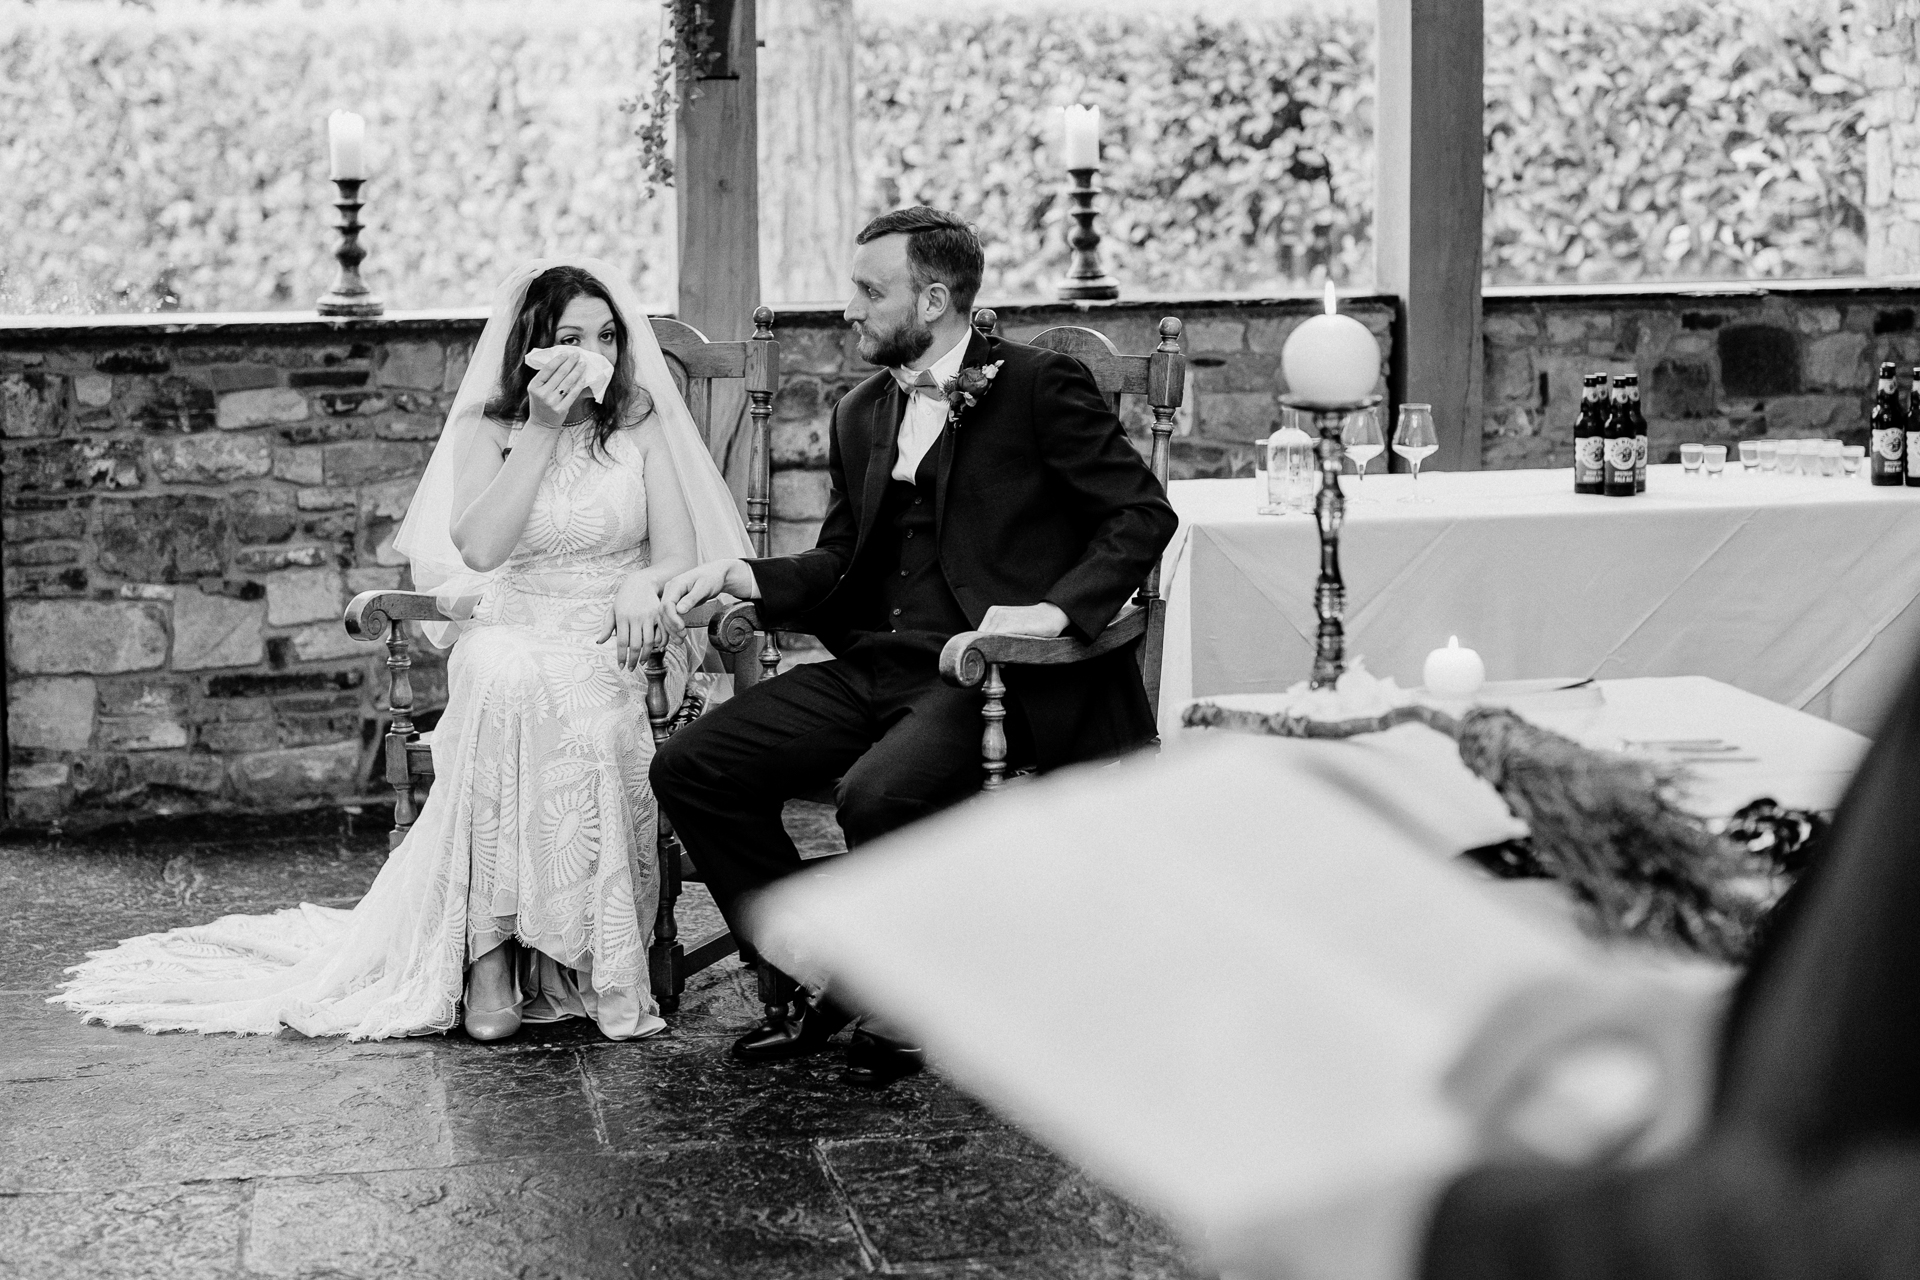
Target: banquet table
[(1804, 590)]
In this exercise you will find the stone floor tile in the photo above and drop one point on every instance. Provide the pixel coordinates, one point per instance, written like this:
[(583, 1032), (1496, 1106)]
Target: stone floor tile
[(989, 1197), (143, 1233), (115, 1107), (532, 1103), (708, 1211), (679, 1090)]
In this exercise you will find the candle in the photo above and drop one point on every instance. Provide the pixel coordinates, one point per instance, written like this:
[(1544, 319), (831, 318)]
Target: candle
[(347, 145), (1331, 359), (1083, 137), (1454, 672)]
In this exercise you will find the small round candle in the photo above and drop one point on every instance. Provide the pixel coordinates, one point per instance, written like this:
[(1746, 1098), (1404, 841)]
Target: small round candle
[(1454, 672), (1331, 359)]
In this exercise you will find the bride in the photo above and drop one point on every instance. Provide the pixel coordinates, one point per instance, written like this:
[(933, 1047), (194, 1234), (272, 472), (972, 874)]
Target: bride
[(546, 522)]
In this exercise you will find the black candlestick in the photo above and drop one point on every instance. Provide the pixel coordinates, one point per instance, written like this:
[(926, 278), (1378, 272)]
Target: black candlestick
[(1085, 278), (349, 295), (1329, 513)]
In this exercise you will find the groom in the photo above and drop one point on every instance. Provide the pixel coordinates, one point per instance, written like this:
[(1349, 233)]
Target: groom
[(1026, 512)]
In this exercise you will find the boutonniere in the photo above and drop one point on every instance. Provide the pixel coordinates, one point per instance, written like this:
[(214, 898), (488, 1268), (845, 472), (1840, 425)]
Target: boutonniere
[(967, 387)]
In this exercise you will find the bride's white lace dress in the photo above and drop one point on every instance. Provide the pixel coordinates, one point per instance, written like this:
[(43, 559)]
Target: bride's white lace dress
[(540, 824)]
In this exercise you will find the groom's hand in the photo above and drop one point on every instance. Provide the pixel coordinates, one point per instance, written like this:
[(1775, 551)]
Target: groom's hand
[(1043, 620), (706, 582)]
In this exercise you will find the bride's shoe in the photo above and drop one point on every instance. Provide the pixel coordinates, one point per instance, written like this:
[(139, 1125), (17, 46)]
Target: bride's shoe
[(493, 1024)]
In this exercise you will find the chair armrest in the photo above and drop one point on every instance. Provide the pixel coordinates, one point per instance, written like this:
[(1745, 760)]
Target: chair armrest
[(370, 613), (730, 626), (964, 661)]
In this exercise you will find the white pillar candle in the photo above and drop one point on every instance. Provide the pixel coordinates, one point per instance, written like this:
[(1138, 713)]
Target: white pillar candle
[(1082, 147), (347, 145), (1454, 672), (1331, 359)]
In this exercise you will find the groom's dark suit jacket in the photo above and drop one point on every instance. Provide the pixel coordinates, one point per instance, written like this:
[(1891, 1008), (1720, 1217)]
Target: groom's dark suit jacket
[(1037, 497)]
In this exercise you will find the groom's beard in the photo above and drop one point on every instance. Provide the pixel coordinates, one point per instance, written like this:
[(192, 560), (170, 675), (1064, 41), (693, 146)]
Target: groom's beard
[(903, 346)]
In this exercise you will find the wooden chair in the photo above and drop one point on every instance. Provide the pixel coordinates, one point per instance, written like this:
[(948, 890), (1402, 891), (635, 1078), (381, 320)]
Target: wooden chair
[(974, 659), (376, 615)]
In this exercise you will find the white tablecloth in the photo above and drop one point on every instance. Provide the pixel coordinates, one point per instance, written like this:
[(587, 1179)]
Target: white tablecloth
[(1800, 589)]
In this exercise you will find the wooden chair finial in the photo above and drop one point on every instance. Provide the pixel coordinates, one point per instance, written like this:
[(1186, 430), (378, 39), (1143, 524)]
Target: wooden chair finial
[(763, 322), (1170, 331), (985, 321)]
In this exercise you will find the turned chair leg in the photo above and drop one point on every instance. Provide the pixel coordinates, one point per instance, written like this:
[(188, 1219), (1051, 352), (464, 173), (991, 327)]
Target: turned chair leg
[(777, 991), (993, 740), (666, 959)]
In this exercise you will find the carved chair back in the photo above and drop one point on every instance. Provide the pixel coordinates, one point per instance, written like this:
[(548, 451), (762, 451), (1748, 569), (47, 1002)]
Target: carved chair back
[(1160, 377)]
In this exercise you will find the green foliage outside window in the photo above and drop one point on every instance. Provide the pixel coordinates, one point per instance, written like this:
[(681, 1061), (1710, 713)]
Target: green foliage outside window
[(176, 158)]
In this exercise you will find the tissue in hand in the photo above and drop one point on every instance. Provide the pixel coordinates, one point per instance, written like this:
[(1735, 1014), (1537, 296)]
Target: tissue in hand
[(599, 368)]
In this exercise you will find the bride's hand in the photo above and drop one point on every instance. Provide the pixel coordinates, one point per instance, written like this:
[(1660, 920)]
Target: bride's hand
[(553, 391), (636, 620)]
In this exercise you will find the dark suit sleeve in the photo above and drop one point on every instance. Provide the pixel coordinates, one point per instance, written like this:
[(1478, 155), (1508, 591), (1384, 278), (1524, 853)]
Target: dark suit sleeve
[(1106, 482), (791, 585), (1731, 1212)]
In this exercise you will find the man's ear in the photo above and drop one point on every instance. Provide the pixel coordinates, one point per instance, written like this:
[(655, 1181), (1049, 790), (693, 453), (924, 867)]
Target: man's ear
[(935, 302)]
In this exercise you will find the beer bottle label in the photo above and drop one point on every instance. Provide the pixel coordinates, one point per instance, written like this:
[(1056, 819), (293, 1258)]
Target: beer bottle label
[(1888, 442), (1589, 454), (1620, 453), (1913, 454), (1639, 451)]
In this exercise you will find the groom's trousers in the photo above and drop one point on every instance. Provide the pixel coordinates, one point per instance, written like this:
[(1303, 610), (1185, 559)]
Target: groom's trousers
[(901, 743)]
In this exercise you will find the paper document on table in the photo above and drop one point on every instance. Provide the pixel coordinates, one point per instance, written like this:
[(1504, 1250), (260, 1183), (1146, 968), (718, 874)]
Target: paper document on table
[(1225, 980)]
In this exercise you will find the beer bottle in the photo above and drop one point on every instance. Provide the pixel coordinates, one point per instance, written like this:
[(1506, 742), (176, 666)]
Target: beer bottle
[(1887, 454), (1589, 445), (1913, 432), (1639, 420), (1619, 444)]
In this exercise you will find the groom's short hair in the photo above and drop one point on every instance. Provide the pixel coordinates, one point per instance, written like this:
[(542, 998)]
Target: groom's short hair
[(940, 246)]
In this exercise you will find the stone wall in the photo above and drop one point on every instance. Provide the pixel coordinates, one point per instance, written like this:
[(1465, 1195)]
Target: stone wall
[(189, 502), (1715, 365), (188, 507)]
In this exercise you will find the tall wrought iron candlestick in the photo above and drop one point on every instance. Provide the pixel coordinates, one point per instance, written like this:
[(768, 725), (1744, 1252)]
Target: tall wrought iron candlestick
[(1329, 513), (1085, 278), (349, 295)]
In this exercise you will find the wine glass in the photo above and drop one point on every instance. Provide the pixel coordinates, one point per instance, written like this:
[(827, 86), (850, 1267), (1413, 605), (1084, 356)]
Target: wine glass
[(1360, 433), (1415, 440)]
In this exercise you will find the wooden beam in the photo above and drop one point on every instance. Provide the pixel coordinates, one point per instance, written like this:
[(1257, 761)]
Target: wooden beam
[(809, 180), (717, 208), (1430, 144)]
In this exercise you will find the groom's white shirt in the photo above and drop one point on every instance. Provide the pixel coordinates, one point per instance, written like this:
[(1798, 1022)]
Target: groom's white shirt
[(920, 428)]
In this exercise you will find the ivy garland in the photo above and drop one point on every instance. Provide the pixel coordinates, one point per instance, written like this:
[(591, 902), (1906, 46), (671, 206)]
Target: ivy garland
[(686, 53)]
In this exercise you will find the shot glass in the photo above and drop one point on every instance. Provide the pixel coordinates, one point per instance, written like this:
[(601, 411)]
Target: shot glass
[(1852, 457), (1810, 455), (1830, 458), (1749, 454), (1769, 451), (1716, 459), (1691, 456)]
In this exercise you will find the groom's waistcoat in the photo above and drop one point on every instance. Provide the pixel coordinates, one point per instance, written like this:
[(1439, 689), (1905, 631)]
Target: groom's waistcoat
[(1032, 495), (912, 593)]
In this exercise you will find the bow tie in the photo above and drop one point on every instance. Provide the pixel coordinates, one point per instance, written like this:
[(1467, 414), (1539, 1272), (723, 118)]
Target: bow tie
[(922, 383)]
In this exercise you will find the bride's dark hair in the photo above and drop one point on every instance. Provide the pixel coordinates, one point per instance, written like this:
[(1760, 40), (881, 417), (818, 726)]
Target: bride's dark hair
[(547, 298)]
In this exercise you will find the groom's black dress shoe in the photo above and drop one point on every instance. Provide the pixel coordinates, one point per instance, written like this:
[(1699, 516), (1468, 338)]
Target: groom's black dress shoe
[(875, 1061), (794, 1036)]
